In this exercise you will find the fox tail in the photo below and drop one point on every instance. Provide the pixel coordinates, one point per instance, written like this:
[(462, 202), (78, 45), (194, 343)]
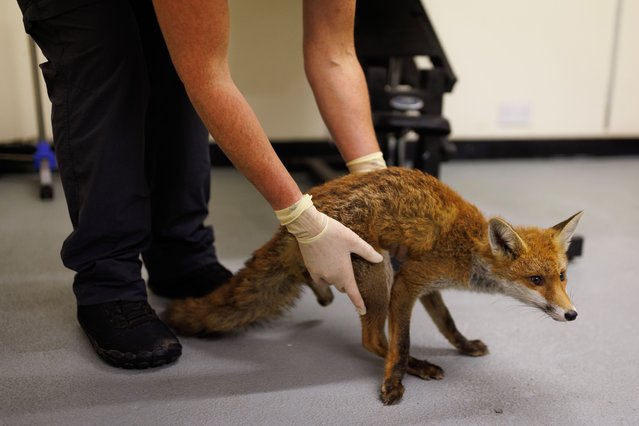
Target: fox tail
[(264, 289)]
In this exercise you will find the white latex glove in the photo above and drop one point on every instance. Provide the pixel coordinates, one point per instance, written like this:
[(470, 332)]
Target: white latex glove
[(326, 247), (367, 163)]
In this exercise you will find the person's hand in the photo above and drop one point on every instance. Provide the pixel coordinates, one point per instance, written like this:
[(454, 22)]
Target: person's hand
[(328, 259), (326, 246), (367, 163)]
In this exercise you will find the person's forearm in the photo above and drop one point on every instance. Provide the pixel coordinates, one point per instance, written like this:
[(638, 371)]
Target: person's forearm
[(342, 97), (237, 131), (336, 77), (196, 34)]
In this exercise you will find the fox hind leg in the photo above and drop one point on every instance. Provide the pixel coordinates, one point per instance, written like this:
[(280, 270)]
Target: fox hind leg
[(440, 315), (373, 283)]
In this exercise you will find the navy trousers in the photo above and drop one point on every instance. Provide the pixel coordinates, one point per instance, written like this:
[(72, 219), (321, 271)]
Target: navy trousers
[(132, 152)]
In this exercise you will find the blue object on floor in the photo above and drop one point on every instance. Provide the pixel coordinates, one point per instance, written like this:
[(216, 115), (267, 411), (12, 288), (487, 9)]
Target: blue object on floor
[(44, 152)]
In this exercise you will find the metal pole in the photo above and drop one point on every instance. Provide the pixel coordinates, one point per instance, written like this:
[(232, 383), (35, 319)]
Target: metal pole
[(36, 89), (43, 158)]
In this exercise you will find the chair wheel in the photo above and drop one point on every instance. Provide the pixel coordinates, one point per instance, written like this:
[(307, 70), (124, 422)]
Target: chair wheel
[(46, 192)]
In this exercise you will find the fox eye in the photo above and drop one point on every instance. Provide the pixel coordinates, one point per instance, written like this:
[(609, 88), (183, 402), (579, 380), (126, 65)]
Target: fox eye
[(536, 279), (562, 276)]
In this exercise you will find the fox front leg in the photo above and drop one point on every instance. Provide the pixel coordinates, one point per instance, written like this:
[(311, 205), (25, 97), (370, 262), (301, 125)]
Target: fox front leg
[(440, 315)]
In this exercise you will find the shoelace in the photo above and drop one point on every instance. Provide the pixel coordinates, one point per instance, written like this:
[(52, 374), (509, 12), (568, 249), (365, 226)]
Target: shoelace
[(130, 314)]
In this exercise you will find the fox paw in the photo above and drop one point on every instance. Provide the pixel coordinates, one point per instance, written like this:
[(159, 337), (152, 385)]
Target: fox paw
[(323, 293), (392, 392), (325, 299), (425, 370), (473, 348)]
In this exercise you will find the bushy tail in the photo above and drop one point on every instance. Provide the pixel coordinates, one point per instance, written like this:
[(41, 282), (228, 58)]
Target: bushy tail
[(264, 289)]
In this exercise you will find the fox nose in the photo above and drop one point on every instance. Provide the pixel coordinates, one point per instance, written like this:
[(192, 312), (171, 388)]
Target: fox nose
[(570, 315)]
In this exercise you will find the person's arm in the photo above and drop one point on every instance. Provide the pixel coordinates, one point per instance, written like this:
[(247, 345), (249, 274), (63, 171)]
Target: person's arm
[(336, 76), (196, 33)]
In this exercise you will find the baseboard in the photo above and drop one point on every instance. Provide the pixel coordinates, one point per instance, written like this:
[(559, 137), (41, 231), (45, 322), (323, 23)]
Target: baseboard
[(545, 148), (14, 156)]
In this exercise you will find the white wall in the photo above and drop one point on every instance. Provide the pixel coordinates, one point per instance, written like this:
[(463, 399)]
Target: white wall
[(267, 65), (624, 117), (17, 105), (526, 68)]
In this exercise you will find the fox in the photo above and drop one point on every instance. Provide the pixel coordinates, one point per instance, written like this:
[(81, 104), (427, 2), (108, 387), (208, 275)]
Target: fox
[(431, 240)]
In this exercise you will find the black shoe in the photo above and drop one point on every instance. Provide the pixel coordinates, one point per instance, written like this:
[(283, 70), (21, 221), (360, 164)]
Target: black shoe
[(129, 334), (198, 283)]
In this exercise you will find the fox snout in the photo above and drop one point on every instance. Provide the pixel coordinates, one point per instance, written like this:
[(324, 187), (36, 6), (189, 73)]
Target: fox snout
[(558, 305), (559, 314)]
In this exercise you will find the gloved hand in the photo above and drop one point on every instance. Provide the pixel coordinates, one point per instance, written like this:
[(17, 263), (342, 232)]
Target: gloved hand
[(326, 247), (367, 163)]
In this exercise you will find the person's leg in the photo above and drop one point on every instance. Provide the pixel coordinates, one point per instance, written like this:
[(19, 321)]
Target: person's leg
[(96, 80), (181, 260)]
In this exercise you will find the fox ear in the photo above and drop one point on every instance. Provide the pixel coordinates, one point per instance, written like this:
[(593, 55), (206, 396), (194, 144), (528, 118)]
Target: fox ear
[(566, 229), (504, 240)]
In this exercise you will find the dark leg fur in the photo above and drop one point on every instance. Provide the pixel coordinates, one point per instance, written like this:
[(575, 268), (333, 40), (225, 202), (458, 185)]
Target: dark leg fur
[(437, 310)]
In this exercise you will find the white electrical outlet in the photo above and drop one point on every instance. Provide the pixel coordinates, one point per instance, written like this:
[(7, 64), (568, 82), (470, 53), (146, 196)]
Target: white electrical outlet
[(514, 114)]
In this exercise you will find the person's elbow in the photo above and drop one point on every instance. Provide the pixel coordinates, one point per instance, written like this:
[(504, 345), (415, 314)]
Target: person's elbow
[(321, 59)]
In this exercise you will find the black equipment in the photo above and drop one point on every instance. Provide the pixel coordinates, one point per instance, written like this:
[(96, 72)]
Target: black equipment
[(394, 40)]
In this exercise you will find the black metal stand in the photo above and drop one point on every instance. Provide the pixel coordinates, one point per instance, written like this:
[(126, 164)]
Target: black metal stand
[(407, 74)]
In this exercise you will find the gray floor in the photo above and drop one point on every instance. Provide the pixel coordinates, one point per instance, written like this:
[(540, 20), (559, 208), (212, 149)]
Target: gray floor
[(309, 368)]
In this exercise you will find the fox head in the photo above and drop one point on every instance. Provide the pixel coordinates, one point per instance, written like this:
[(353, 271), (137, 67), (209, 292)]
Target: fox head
[(529, 264)]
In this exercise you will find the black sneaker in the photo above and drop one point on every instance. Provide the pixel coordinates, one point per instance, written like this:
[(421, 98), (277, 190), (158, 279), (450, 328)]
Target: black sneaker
[(198, 283), (129, 334)]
